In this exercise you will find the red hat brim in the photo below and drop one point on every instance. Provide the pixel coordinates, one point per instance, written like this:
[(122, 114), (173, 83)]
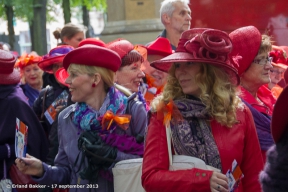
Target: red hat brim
[(61, 75), (282, 66), (93, 55), (46, 64), (11, 78), (165, 64), (279, 123)]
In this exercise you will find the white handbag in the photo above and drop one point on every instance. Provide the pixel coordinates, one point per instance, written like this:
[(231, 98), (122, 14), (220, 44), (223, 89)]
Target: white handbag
[(127, 173)]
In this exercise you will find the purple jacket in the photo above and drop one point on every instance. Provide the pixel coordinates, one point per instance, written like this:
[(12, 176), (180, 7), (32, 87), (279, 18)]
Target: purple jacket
[(64, 171), (13, 103)]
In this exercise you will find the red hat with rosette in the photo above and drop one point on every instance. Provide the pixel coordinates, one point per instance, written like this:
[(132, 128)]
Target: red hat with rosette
[(246, 43), (202, 45), (161, 46), (93, 55), (55, 56), (8, 74), (279, 57), (279, 123)]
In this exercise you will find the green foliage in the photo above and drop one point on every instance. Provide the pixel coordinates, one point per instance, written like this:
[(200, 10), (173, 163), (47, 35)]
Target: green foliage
[(100, 5)]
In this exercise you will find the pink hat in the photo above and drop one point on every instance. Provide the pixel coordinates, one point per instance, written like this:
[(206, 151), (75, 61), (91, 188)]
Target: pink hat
[(92, 41), (55, 56), (202, 45), (93, 55), (246, 43), (121, 46), (61, 75), (279, 57), (279, 123), (8, 74), (161, 46)]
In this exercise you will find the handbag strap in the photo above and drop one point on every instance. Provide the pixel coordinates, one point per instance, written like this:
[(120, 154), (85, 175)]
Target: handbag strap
[(168, 136), (43, 103), (5, 169)]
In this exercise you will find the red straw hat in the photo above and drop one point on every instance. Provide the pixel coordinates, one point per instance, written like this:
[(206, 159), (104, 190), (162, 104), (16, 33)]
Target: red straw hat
[(121, 46), (202, 45), (61, 75), (279, 123), (279, 57), (55, 56), (93, 55), (92, 41), (161, 46), (8, 74), (246, 43)]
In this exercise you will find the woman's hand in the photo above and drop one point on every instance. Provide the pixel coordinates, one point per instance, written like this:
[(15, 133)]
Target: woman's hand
[(218, 182), (58, 108), (30, 165)]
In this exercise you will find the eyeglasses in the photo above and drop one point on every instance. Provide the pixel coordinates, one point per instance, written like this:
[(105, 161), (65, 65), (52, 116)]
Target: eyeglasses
[(281, 73), (263, 61)]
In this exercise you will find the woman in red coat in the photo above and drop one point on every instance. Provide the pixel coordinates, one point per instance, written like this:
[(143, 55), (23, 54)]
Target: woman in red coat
[(208, 120)]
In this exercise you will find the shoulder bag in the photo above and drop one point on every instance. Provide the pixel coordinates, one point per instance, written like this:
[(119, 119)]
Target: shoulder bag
[(127, 173)]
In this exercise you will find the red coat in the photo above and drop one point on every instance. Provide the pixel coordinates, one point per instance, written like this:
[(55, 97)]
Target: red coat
[(239, 142)]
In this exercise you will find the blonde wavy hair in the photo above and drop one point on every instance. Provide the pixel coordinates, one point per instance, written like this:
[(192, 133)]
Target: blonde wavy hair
[(218, 94)]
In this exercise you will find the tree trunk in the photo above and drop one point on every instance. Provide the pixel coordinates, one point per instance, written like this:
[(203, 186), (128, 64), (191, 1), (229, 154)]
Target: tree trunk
[(31, 35), (86, 20), (39, 27), (10, 14), (66, 11)]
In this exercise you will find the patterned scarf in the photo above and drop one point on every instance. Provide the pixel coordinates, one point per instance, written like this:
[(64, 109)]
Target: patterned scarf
[(85, 118), (192, 136)]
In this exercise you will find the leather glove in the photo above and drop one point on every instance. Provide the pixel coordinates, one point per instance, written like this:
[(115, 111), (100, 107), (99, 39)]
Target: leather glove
[(103, 150), (89, 137)]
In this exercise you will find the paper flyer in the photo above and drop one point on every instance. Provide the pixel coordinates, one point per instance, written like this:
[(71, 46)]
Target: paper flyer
[(61, 100), (234, 176), (21, 137)]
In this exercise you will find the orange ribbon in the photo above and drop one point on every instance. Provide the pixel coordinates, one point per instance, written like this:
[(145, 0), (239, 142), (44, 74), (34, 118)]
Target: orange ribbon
[(168, 115), (121, 120)]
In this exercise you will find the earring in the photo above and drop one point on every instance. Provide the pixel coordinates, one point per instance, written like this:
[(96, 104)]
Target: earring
[(93, 85)]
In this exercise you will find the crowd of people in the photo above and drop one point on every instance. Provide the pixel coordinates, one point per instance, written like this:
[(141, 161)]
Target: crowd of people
[(90, 104)]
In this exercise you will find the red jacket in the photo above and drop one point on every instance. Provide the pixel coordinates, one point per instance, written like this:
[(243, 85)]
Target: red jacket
[(239, 142)]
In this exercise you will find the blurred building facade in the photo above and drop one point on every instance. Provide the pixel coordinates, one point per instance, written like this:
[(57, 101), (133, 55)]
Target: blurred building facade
[(138, 21)]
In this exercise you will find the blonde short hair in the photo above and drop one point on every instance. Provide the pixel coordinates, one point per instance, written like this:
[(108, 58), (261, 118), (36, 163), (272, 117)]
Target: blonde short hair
[(106, 74)]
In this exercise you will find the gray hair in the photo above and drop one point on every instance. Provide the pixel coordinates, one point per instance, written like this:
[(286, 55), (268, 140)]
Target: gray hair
[(167, 7)]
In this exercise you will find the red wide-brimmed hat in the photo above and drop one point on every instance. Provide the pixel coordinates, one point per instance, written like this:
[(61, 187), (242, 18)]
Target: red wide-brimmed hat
[(61, 75), (279, 57), (246, 43), (121, 46), (202, 45), (279, 123), (27, 59), (8, 74), (92, 41), (55, 56), (93, 55), (161, 46)]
